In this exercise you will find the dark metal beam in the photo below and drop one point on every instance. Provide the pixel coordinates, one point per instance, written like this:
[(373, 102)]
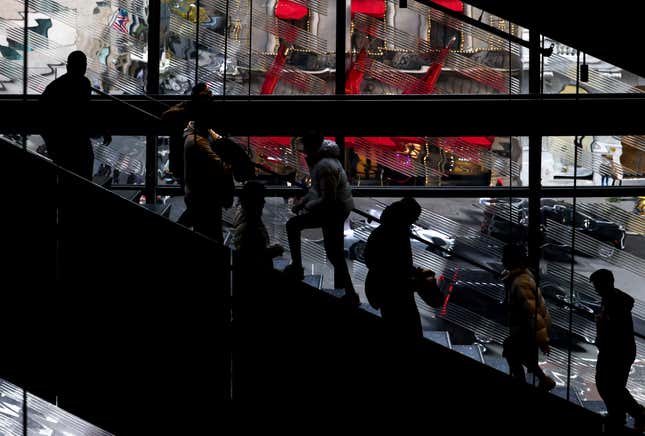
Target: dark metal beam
[(460, 116)]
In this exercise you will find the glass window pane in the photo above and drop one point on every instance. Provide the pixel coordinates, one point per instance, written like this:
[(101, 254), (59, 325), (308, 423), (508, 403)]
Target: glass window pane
[(113, 38), (601, 161), (11, 47), (262, 47), (560, 74), (421, 50)]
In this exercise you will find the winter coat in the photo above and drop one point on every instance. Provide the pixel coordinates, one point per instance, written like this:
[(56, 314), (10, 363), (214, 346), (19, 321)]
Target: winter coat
[(329, 184), (207, 177), (521, 291)]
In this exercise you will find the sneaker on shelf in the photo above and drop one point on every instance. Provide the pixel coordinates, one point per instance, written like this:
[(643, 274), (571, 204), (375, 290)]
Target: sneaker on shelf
[(295, 271), (546, 384)]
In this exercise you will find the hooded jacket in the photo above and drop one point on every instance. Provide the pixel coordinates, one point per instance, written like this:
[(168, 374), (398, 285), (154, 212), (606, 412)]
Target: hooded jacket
[(615, 326), (329, 184), (521, 297)]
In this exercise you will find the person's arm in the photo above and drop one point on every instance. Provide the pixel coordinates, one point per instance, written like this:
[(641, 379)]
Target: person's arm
[(327, 185), (536, 321)]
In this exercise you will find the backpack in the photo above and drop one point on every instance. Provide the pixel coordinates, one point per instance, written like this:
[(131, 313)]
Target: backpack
[(242, 166)]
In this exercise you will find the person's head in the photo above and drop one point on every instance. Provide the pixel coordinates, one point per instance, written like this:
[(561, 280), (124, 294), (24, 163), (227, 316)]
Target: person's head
[(77, 63), (199, 107), (252, 198), (200, 92), (603, 281), (311, 142), (514, 256), (403, 213)]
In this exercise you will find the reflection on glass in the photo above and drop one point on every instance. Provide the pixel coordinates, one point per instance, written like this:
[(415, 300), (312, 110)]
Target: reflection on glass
[(560, 71), (262, 47), (43, 418), (113, 38), (12, 47), (427, 161), (422, 50), (608, 234), (601, 160)]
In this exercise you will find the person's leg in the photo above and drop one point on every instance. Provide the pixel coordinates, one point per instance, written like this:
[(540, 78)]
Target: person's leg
[(207, 219), (295, 225), (533, 367), (334, 246), (516, 370), (608, 383), (631, 405)]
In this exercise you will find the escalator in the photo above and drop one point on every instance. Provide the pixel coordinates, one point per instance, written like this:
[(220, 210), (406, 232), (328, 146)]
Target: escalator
[(42, 417), (473, 319)]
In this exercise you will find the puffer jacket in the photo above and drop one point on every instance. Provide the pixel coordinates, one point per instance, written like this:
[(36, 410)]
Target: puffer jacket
[(329, 184), (521, 298)]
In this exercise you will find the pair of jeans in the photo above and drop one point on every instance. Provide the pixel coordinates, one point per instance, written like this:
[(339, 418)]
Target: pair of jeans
[(332, 222)]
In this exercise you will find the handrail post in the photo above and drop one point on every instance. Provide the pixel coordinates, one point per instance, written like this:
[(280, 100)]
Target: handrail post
[(152, 87), (535, 158)]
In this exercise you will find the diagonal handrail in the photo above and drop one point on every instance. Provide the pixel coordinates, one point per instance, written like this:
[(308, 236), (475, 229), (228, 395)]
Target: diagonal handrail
[(130, 105)]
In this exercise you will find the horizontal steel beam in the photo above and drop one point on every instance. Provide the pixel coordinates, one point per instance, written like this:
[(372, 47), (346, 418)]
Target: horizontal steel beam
[(359, 116)]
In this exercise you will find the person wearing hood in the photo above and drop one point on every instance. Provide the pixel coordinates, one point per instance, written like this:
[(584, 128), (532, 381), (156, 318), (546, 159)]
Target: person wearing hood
[(392, 279), (529, 319), (327, 205), (616, 351), (208, 183)]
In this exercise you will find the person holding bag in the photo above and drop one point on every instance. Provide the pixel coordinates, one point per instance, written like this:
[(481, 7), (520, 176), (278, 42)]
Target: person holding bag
[(392, 279)]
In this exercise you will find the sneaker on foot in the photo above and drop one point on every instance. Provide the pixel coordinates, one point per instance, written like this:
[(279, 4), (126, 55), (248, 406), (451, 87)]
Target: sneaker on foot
[(546, 384), (295, 271)]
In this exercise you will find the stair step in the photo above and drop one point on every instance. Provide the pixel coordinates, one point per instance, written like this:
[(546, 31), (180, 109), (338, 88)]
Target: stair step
[(561, 392), (472, 351), (441, 338), (597, 406), (497, 362), (315, 281), (338, 293)]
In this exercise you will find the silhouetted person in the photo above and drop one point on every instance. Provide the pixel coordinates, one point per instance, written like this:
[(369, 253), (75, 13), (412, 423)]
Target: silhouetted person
[(529, 319), (392, 280), (616, 351), (327, 205), (66, 104), (605, 170), (178, 117), (251, 239), (209, 183)]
